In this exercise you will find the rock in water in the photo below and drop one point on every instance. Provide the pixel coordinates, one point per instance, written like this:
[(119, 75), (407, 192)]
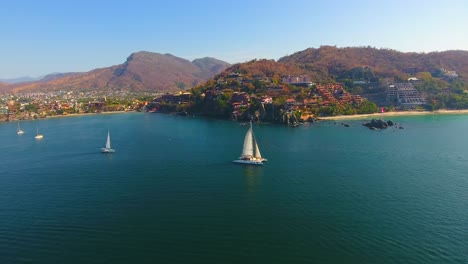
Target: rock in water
[(377, 124)]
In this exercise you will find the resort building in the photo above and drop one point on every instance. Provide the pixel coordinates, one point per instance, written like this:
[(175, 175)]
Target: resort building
[(404, 94)]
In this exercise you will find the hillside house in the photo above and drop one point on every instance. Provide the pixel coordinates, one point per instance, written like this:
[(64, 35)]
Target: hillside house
[(301, 80), (450, 74), (242, 98), (267, 100)]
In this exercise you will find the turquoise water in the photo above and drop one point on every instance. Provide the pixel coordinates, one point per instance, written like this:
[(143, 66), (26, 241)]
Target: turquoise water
[(170, 194)]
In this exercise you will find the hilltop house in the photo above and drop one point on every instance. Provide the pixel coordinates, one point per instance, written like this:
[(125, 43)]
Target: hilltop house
[(301, 80)]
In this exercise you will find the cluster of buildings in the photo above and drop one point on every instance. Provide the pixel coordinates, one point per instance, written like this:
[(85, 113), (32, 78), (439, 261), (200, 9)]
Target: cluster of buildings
[(321, 95), (449, 74), (404, 94), (36, 105), (336, 94), (178, 98)]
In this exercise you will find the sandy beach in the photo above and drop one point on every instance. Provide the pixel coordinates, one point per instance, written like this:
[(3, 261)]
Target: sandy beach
[(394, 113)]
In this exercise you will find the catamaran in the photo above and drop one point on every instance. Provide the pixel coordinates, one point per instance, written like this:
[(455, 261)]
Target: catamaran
[(19, 131), (250, 152), (38, 136), (108, 148)]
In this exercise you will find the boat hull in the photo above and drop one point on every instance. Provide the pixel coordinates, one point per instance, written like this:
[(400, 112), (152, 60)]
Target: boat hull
[(249, 162), (107, 150)]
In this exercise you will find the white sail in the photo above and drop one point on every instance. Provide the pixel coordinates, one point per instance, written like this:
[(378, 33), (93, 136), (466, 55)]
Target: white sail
[(108, 148), (108, 145), (19, 131), (38, 136), (257, 150), (248, 150)]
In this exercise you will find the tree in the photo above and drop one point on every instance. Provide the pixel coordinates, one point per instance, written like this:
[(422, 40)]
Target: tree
[(367, 107), (276, 78)]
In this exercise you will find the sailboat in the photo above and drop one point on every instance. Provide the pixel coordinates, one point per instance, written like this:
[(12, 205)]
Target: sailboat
[(108, 148), (38, 136), (250, 153), (19, 131)]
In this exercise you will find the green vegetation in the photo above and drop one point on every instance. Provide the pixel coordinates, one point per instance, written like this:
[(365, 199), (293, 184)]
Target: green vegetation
[(256, 89)]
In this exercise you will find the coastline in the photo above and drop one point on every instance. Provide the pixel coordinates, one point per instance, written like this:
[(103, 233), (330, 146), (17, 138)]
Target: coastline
[(323, 118), (87, 114), (68, 115), (394, 113)]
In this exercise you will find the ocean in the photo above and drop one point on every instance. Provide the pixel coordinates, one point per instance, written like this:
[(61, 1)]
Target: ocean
[(171, 194)]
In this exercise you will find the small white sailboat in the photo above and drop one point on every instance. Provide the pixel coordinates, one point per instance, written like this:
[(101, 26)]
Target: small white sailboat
[(250, 153), (108, 148), (19, 131), (38, 136)]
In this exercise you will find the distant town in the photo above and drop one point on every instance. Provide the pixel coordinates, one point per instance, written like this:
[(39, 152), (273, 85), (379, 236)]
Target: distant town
[(27, 106)]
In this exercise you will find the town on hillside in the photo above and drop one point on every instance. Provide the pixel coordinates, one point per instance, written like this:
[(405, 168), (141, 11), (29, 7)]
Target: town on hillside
[(36, 105), (292, 99), (263, 96)]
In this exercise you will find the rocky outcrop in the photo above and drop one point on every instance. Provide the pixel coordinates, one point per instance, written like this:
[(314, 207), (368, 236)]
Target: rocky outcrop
[(376, 124)]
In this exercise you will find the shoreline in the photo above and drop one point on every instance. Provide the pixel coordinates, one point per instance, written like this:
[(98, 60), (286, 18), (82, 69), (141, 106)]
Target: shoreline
[(68, 115), (87, 114), (323, 118), (395, 113)]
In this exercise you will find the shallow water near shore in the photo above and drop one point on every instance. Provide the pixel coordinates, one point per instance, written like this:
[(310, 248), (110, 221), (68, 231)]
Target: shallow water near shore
[(171, 194)]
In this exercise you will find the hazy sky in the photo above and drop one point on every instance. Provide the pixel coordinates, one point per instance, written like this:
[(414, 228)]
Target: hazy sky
[(43, 36)]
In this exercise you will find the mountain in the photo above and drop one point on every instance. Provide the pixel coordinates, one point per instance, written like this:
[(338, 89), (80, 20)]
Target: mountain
[(21, 79), (328, 62), (43, 78), (209, 66), (142, 71), (57, 75)]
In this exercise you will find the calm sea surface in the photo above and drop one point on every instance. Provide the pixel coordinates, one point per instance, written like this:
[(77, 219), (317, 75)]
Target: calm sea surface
[(171, 194)]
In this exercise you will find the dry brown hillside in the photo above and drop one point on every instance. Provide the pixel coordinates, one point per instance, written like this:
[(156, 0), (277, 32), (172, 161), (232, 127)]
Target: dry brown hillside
[(142, 71), (3, 86), (332, 61), (264, 68)]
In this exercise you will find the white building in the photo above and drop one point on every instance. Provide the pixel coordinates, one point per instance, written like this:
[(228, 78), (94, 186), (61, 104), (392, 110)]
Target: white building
[(404, 94)]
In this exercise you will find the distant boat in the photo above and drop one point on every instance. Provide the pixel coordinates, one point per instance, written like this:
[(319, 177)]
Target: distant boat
[(250, 152), (108, 148), (38, 136), (19, 131)]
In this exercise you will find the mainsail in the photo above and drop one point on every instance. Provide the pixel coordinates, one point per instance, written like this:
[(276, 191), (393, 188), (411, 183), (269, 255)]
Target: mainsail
[(108, 146), (248, 149)]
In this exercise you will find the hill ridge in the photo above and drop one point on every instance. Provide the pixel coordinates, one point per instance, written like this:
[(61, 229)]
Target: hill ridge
[(141, 71)]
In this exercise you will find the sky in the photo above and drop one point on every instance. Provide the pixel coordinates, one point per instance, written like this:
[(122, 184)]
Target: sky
[(42, 37)]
